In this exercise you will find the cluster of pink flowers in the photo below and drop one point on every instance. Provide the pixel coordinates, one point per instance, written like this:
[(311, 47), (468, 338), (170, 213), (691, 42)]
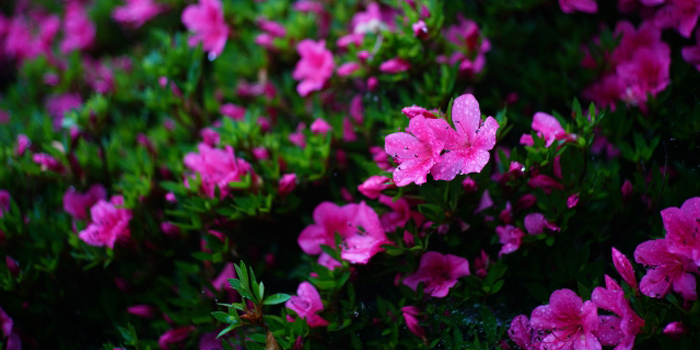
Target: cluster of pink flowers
[(110, 223), (470, 47), (432, 146), (637, 68), (216, 168)]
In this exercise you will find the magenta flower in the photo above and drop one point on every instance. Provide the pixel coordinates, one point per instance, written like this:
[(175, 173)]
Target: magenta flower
[(136, 12), (374, 185), (76, 204), (511, 238), (315, 66), (110, 222), (210, 136), (307, 304), (206, 21), (320, 126), (410, 314), (287, 183), (79, 31), (414, 111), (666, 270), (232, 111), (48, 163), (620, 330), (679, 14), (143, 311), (569, 323), (395, 65), (59, 105), (357, 110), (174, 335), (400, 214), (420, 29), (469, 147), (471, 47), (682, 227), (358, 225), (549, 129), (536, 223), (438, 273), (569, 6), (523, 335), (691, 54), (272, 28), (544, 182), (624, 268), (417, 152), (675, 329), (374, 19), (647, 74), (348, 68), (217, 168), (298, 137), (4, 202)]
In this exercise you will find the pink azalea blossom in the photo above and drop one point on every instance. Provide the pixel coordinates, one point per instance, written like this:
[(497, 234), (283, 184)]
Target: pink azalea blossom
[(666, 270), (549, 129), (536, 223), (76, 204), (471, 47), (679, 14), (217, 168), (624, 268), (320, 126), (569, 6), (314, 68), (307, 304), (438, 273), (691, 54), (400, 215), (523, 335), (48, 163), (260, 153), (395, 65), (569, 323), (272, 28), (357, 110), (136, 12), (374, 185), (348, 68), (174, 335), (484, 203), (298, 137), (469, 146), (414, 111), (682, 229), (417, 152), (511, 238), (349, 134), (58, 105), (287, 183), (23, 40), (358, 225), (79, 31), (232, 111), (375, 18), (110, 222), (481, 264), (675, 329), (4, 202), (410, 314), (6, 323), (210, 136), (647, 74), (380, 157), (620, 330), (206, 21), (420, 29), (143, 311)]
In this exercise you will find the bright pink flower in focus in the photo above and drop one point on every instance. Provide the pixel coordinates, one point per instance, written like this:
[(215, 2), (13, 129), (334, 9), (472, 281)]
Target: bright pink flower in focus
[(287, 183), (666, 270), (549, 129), (395, 65), (307, 304), (314, 68), (358, 225), (136, 12), (624, 268), (76, 204), (217, 168), (417, 152), (468, 147), (409, 316), (374, 185), (438, 273), (569, 6), (511, 238), (683, 228), (569, 322), (79, 31), (206, 21), (110, 223), (174, 335)]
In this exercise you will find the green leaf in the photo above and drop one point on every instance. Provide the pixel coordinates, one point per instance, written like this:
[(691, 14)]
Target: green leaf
[(276, 299)]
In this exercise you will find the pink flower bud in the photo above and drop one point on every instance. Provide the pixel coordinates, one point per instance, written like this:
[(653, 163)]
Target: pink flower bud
[(372, 83), (287, 183), (374, 185), (143, 311), (415, 111), (348, 68), (675, 329), (624, 268), (395, 65)]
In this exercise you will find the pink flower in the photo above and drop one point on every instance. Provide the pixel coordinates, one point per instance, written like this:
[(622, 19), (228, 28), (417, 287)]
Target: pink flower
[(260, 153), (136, 12), (307, 304), (358, 225), (666, 270), (143, 311), (468, 147), (206, 21), (76, 204), (414, 111), (572, 201), (420, 30), (438, 273), (348, 68), (349, 134), (272, 28), (395, 65), (511, 238), (320, 126), (682, 228), (6, 323), (380, 157), (417, 152), (471, 47), (298, 137), (679, 14), (374, 185), (675, 329), (544, 182), (4, 202), (232, 111), (691, 54), (287, 183), (569, 323), (79, 31), (59, 105), (481, 264), (174, 335), (357, 110), (485, 202), (110, 223), (536, 223), (409, 316), (549, 129), (210, 136), (217, 168), (646, 74), (48, 163), (624, 268), (569, 6), (315, 66), (620, 330), (399, 216), (373, 19), (523, 335)]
